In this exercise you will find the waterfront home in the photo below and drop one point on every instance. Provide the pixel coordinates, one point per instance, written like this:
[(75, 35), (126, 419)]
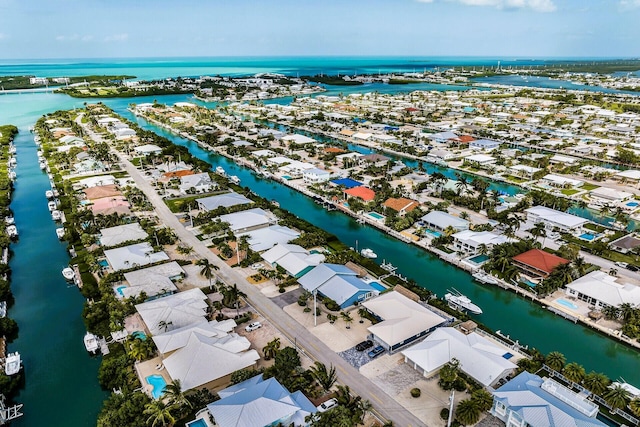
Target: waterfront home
[(315, 176), (529, 400), (338, 282), (440, 221), (441, 137), (374, 159), (400, 205), (439, 155), (153, 281), (565, 160), (225, 200), (260, 402), (561, 181), (252, 219), (480, 358), (523, 170), (555, 220), (601, 290), (97, 181), (628, 175), (135, 255), (298, 139), (401, 320), (538, 263), (196, 183), (345, 182), (207, 362), (114, 236), (363, 193), (101, 191), (110, 205), (470, 242), (296, 260), (147, 149), (480, 160), (625, 244), (168, 342), (174, 311), (605, 195), (265, 238), (484, 145)]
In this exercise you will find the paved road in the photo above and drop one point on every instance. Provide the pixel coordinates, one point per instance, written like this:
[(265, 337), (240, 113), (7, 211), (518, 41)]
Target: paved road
[(384, 405)]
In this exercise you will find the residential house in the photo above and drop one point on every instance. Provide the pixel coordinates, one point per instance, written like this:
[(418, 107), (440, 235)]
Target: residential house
[(296, 260), (174, 311), (225, 200), (252, 219), (339, 283), (196, 183), (152, 281), (363, 193), (316, 175), (538, 263), (114, 236), (147, 149), (400, 205), (132, 256), (555, 220), (471, 242), (601, 290), (484, 144), (440, 221)]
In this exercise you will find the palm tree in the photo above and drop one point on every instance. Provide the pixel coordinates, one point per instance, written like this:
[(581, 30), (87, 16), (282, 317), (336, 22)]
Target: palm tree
[(207, 270), (596, 382), (185, 250), (159, 414), (483, 399), (627, 312), (163, 324), (176, 395), (617, 396), (555, 360), (347, 318), (538, 230), (467, 412), (234, 294), (483, 249), (243, 245), (138, 349), (580, 266), (325, 377), (564, 272), (271, 349), (634, 405), (574, 372)]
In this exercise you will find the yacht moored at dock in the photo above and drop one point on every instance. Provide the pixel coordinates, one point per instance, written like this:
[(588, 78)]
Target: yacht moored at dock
[(12, 363), (234, 179), (485, 278), (461, 302), (60, 233), (68, 274), (12, 231), (220, 170), (368, 253), (91, 343)]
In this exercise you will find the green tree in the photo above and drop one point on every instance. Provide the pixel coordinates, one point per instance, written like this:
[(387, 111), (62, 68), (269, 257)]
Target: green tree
[(449, 373), (207, 270), (617, 396), (596, 382), (574, 372), (139, 349), (176, 396), (483, 399), (123, 410), (555, 360), (271, 349), (634, 405), (159, 414), (338, 416), (325, 377), (467, 412)]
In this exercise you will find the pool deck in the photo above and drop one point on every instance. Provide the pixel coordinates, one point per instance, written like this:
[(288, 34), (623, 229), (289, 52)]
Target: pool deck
[(148, 367)]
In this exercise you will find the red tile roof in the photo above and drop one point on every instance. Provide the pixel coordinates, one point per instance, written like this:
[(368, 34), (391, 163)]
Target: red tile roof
[(363, 193), (401, 204), (540, 260), (178, 174), (466, 138)]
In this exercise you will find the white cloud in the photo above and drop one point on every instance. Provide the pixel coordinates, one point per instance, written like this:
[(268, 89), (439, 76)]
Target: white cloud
[(74, 37), (629, 4), (535, 5), (117, 37)]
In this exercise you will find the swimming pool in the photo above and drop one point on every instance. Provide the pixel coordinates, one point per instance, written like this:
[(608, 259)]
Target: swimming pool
[(197, 423), (376, 216), (567, 304), (528, 283), (377, 286), (587, 236), (139, 334), (103, 263), (633, 204), (432, 233), (120, 288), (158, 383), (479, 259), (287, 177)]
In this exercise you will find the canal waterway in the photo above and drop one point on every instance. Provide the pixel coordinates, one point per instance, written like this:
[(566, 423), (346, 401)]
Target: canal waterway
[(511, 314), (61, 383)]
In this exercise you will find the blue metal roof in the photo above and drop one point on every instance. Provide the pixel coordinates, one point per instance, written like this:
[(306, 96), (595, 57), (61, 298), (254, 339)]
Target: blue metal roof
[(346, 182)]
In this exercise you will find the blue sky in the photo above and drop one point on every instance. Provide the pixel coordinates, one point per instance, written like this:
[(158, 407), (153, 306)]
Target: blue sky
[(163, 28)]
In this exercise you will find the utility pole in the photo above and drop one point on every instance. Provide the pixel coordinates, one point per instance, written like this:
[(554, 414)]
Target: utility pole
[(453, 392)]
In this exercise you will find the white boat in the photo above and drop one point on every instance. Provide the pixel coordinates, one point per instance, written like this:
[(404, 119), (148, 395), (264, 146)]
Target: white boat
[(12, 363), (49, 194), (9, 220), (221, 171), (55, 193), (68, 273), (234, 179), (12, 175), (60, 232), (56, 215), (12, 231), (91, 342), (43, 165), (52, 206), (368, 253), (461, 302), (483, 277)]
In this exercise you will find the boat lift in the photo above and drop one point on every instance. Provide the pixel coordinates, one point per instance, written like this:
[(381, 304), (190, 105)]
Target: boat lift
[(8, 414)]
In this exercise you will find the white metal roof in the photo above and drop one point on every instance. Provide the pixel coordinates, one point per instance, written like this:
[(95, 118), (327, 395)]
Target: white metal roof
[(603, 287), (177, 310), (178, 338), (557, 217), (131, 256), (113, 236)]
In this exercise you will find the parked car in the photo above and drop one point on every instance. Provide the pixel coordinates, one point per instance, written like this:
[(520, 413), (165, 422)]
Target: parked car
[(253, 326), (327, 405), (257, 266), (622, 264), (376, 352), (632, 267), (364, 345)]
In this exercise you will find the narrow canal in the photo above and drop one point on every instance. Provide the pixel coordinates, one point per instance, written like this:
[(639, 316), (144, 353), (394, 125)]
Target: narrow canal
[(61, 384), (504, 311)]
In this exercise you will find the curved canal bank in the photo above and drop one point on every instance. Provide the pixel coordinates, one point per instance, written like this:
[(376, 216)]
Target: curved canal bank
[(61, 388), (530, 324)]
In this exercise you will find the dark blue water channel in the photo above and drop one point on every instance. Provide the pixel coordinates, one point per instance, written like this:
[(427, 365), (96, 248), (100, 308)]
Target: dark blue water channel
[(521, 319)]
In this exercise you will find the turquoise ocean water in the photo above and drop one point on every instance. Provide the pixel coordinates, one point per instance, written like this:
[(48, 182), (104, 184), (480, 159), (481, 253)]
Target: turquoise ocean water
[(61, 385)]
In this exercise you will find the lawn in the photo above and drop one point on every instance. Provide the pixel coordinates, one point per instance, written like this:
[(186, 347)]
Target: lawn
[(569, 191), (589, 187)]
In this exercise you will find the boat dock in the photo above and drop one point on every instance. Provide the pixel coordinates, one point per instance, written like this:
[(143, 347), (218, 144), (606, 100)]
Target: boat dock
[(564, 314), (104, 348)]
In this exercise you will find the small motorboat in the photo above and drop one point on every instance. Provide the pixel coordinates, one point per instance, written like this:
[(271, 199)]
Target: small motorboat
[(234, 179), (49, 194), (56, 215), (43, 165), (461, 302), (368, 253), (486, 278), (12, 363), (220, 170), (9, 220), (52, 206), (68, 274), (60, 232), (12, 231), (91, 342)]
